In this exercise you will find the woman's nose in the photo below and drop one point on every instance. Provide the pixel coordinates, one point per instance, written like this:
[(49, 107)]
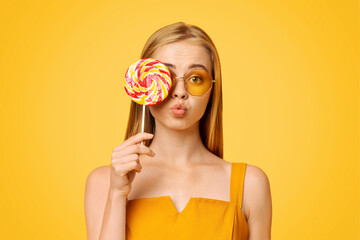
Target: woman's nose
[(179, 90)]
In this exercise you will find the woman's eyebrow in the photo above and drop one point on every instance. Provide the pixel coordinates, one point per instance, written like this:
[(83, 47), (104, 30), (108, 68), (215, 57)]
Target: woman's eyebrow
[(169, 65), (198, 66), (190, 67)]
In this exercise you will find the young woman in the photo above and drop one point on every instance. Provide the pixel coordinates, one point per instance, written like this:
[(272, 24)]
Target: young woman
[(176, 185)]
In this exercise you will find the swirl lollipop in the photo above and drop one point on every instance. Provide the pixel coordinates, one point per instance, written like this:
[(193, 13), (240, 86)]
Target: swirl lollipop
[(147, 82)]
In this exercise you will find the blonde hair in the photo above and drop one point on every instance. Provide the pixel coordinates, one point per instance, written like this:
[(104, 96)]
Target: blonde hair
[(211, 127)]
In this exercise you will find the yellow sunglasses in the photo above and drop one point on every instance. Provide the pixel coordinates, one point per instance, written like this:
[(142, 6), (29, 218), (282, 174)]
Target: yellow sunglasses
[(197, 81)]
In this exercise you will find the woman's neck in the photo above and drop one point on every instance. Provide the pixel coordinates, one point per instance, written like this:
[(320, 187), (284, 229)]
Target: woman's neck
[(177, 147)]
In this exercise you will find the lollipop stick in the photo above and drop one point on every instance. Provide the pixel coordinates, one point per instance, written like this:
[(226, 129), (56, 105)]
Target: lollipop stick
[(142, 123)]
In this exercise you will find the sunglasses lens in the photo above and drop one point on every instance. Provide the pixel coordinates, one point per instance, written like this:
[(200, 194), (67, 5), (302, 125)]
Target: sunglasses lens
[(198, 82)]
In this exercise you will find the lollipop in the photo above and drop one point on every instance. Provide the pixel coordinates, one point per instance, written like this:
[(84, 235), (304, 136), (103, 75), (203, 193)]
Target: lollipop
[(147, 82)]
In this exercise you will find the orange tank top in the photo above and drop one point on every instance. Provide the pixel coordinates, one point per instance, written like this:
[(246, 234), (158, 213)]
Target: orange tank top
[(202, 218)]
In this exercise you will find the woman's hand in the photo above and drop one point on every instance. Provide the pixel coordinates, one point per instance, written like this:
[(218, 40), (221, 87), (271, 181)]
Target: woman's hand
[(125, 161)]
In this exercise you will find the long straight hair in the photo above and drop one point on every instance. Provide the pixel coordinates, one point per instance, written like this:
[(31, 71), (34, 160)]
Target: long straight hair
[(211, 123)]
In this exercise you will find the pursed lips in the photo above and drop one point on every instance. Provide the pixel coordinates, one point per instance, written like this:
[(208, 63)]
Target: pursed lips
[(178, 109)]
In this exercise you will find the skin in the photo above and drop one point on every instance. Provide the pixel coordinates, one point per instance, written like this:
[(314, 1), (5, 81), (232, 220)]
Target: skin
[(184, 168)]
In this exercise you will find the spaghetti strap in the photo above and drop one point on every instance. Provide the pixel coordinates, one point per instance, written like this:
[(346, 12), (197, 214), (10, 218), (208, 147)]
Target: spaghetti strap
[(237, 183)]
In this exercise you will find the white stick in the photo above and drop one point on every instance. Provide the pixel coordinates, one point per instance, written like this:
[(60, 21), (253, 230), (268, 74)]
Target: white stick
[(143, 120)]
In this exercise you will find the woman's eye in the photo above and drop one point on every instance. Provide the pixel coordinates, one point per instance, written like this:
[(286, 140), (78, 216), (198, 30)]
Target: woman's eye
[(195, 79)]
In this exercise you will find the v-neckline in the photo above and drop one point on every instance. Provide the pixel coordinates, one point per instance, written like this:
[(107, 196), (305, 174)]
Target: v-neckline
[(191, 198)]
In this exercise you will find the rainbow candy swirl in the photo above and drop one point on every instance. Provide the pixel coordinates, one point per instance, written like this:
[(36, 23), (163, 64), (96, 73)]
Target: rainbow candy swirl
[(148, 81)]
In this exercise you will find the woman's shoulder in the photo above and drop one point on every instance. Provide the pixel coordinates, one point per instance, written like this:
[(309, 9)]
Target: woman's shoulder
[(256, 193), (255, 172), (255, 179), (96, 192), (99, 172), (99, 178)]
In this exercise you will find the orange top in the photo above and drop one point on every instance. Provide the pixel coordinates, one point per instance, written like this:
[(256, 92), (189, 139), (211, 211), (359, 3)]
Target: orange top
[(202, 218)]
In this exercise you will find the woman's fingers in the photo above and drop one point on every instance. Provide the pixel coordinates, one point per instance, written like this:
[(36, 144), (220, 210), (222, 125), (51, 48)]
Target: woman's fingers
[(125, 162), (137, 148), (125, 159), (138, 138), (124, 168)]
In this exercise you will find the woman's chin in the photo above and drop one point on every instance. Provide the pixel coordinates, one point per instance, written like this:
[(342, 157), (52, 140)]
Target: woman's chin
[(180, 125)]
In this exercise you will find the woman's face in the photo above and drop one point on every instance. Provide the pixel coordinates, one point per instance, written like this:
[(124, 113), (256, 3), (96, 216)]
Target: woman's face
[(181, 110)]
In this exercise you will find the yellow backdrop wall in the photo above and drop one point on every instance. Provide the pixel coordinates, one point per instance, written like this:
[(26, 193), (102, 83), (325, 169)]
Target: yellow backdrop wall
[(291, 104)]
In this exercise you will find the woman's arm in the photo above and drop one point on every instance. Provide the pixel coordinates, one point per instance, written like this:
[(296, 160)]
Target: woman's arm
[(258, 203), (105, 211)]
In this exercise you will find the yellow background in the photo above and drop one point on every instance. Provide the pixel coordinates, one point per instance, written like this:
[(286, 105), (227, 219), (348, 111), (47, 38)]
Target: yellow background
[(291, 104)]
